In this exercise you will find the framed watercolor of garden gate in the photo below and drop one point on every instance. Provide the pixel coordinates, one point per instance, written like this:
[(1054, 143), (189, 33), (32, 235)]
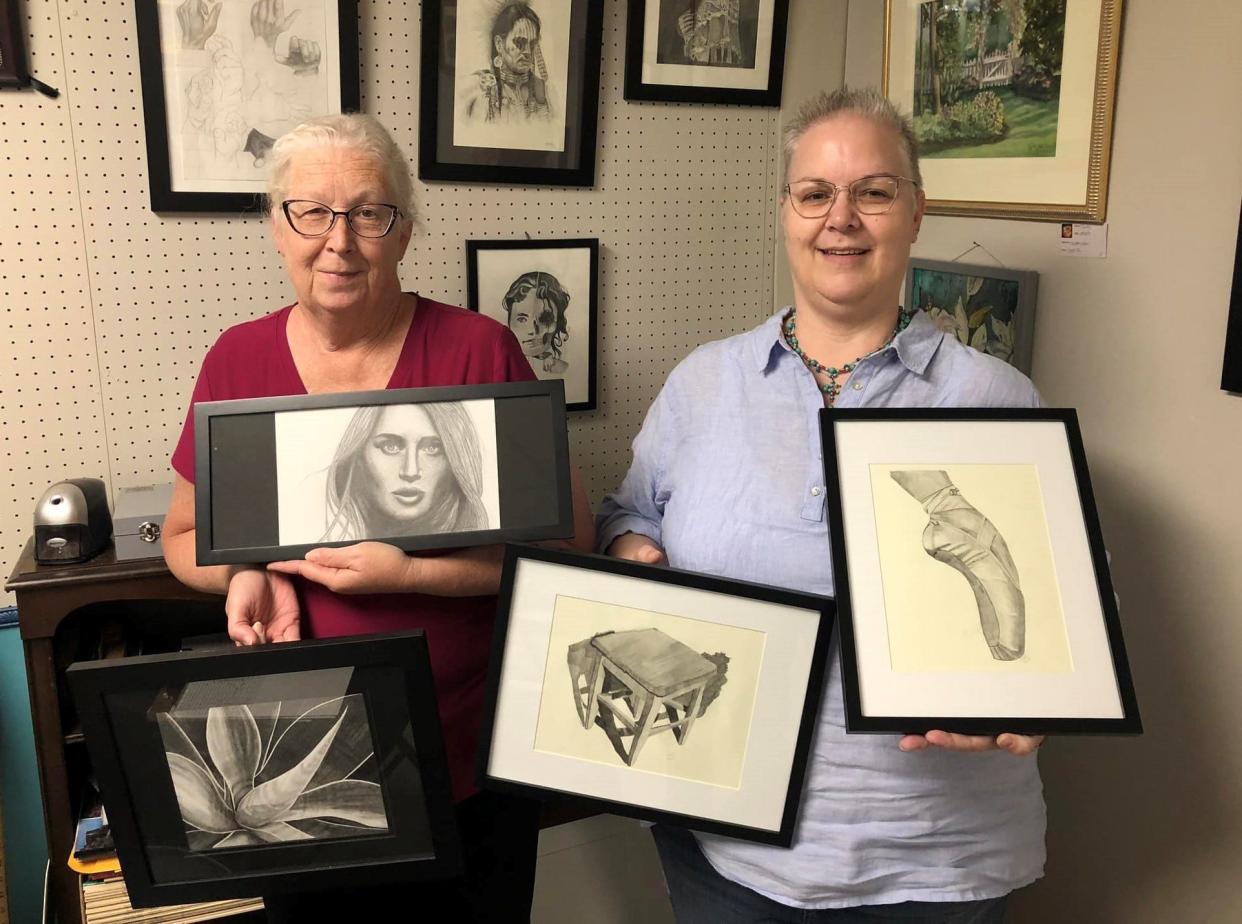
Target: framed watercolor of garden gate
[(653, 692), (973, 591), (1012, 102), (987, 307), (222, 81), (238, 772)]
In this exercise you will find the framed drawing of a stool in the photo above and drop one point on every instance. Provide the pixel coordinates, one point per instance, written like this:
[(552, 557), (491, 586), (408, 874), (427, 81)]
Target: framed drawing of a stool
[(647, 682), (651, 650)]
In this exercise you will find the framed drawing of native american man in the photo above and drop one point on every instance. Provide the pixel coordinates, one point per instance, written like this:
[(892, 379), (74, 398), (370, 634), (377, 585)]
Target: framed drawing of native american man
[(510, 90)]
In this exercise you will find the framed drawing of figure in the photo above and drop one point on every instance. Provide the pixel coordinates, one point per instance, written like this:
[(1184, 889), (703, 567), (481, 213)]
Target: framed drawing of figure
[(706, 51), (546, 293), (222, 81), (419, 468), (510, 90), (972, 585)]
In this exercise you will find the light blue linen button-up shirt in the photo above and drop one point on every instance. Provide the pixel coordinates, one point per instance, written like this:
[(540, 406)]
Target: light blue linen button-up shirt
[(728, 477)]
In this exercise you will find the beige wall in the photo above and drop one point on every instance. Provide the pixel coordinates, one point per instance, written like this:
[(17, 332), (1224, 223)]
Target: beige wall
[(1146, 829)]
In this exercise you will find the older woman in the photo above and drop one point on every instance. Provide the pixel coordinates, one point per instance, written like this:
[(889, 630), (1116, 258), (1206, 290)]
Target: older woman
[(341, 208), (931, 828)]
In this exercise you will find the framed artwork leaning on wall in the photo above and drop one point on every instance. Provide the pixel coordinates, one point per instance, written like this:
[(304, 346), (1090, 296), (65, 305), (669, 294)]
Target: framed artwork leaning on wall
[(656, 693), (418, 468), (222, 81), (240, 772), (510, 91), (547, 293), (706, 51), (990, 308), (972, 585)]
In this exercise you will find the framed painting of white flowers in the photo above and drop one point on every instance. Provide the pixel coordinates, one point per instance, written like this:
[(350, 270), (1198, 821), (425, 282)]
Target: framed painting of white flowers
[(241, 772), (987, 307)]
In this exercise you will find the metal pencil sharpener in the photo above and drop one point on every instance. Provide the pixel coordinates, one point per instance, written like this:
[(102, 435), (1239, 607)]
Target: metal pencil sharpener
[(71, 521)]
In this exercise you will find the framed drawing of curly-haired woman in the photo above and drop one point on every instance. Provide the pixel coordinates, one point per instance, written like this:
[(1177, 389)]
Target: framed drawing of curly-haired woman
[(510, 90), (419, 468), (222, 81), (972, 585), (545, 292)]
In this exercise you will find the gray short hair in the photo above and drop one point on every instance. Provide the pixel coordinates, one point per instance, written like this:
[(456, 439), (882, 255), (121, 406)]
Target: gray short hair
[(354, 131), (867, 102)]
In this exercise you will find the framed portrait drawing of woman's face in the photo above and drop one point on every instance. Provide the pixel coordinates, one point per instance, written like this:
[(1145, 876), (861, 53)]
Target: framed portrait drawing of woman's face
[(418, 468), (706, 51), (510, 90), (546, 293), (222, 81)]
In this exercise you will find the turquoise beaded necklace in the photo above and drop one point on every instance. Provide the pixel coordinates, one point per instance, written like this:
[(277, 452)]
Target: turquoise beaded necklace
[(832, 387)]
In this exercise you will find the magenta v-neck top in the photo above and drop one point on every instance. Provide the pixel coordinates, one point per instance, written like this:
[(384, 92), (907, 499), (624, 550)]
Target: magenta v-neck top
[(444, 346)]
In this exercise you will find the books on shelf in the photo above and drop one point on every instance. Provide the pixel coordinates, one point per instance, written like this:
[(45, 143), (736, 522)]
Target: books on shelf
[(107, 902)]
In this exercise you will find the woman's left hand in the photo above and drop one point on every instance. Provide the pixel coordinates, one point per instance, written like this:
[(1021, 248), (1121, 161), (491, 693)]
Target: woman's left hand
[(364, 568), (1017, 745)]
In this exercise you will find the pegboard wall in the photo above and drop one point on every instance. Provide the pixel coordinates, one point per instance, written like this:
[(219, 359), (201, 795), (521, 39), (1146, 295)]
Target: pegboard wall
[(107, 309)]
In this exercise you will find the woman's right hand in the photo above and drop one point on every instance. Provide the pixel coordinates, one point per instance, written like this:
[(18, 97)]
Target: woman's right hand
[(262, 606), (633, 547)]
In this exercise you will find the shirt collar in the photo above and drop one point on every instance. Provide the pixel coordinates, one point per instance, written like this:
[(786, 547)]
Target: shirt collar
[(915, 346)]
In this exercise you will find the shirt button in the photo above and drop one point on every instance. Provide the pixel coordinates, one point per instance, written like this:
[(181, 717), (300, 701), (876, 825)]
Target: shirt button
[(815, 492), (858, 386)]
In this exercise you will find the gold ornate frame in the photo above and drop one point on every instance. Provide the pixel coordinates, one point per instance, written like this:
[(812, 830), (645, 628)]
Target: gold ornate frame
[(1094, 204)]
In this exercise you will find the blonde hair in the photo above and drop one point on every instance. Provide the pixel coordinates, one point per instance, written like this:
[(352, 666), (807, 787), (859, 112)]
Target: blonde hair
[(866, 102), (354, 131)]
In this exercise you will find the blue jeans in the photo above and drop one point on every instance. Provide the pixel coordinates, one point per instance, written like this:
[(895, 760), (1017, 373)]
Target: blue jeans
[(700, 895)]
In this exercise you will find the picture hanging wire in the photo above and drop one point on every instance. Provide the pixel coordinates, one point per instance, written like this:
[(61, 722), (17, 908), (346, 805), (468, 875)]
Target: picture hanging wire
[(977, 246)]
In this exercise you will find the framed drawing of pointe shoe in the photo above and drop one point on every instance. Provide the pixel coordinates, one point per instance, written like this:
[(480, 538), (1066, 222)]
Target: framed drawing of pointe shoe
[(973, 588)]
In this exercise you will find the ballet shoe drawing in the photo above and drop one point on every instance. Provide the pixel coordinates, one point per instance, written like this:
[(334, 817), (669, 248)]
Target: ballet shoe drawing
[(964, 539)]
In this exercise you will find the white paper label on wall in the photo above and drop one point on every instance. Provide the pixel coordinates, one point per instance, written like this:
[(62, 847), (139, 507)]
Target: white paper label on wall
[(1080, 240)]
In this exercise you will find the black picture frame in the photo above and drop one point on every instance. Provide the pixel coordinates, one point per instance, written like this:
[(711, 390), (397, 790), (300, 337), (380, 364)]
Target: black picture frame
[(1231, 372), (1037, 647), (247, 196), (264, 470), (452, 99), (660, 67), (554, 694), (14, 71), (564, 268), (997, 305), (145, 721)]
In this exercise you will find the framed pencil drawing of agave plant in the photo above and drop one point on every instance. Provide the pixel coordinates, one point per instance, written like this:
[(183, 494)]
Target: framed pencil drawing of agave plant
[(972, 586), (252, 771)]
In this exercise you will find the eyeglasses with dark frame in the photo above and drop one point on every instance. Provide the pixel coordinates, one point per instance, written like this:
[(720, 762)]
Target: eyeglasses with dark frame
[(314, 219), (872, 195)]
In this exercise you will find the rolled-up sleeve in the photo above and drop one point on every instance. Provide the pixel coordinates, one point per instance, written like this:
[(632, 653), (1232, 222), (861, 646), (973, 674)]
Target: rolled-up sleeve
[(638, 505)]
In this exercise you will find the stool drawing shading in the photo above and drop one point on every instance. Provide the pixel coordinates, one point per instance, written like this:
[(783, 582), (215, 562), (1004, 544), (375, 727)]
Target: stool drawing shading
[(640, 682)]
